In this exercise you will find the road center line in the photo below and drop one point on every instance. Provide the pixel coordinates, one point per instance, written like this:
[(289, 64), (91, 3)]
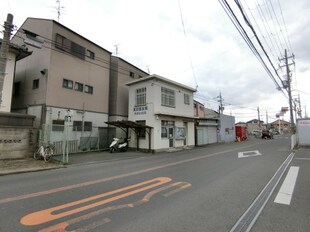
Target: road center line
[(285, 193), (87, 183)]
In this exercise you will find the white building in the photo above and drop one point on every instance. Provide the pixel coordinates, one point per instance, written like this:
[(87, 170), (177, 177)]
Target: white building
[(15, 54), (165, 105)]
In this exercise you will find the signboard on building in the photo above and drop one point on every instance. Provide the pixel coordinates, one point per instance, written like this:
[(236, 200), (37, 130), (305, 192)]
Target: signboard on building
[(303, 129), (139, 110)]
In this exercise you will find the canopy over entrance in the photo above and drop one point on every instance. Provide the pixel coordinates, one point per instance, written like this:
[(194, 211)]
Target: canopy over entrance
[(136, 127)]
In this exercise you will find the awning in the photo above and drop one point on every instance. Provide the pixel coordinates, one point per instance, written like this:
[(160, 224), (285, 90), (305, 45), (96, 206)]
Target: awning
[(136, 127), (128, 124)]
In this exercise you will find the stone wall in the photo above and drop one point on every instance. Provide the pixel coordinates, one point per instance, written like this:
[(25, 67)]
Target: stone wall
[(16, 135), (16, 143)]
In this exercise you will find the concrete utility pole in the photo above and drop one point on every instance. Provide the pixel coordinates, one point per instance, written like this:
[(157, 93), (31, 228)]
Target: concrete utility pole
[(258, 117), (267, 119), (289, 79), (4, 50), (221, 108)]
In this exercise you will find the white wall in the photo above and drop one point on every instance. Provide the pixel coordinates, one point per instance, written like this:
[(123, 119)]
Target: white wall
[(5, 105), (155, 113)]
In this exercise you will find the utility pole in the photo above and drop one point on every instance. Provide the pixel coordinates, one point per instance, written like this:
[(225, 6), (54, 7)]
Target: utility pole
[(266, 119), (288, 75), (299, 107), (221, 108), (4, 50), (258, 117)]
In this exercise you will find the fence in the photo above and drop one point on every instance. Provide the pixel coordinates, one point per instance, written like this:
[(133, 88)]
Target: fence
[(74, 139)]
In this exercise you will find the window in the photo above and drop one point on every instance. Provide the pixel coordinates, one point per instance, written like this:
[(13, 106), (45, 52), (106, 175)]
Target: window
[(141, 96), (70, 47), (78, 126), (67, 84), (63, 43), (186, 99), (131, 74), (141, 131), (16, 88), (167, 97), (90, 54), (78, 87), (89, 89), (77, 50), (35, 84), (165, 125), (164, 132), (58, 125)]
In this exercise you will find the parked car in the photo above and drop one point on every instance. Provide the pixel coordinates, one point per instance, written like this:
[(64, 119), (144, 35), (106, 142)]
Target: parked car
[(255, 132), (266, 134)]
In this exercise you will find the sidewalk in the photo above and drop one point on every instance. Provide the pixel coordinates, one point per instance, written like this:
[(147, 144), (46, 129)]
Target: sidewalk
[(14, 166)]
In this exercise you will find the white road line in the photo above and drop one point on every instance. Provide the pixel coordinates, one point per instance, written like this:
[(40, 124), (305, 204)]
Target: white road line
[(248, 154), (303, 158), (286, 191)]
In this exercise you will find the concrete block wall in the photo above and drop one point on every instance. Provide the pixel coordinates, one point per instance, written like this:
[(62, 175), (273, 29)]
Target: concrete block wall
[(16, 142)]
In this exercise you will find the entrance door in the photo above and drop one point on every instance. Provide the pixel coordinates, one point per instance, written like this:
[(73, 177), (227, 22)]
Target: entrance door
[(171, 136)]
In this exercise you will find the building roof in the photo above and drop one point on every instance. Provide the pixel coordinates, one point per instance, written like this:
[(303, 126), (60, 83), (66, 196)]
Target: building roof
[(255, 121), (20, 51), (157, 77), (125, 61), (277, 121), (55, 22)]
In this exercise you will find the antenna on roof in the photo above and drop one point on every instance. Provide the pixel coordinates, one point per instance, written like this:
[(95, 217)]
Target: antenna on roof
[(58, 8), (116, 49)]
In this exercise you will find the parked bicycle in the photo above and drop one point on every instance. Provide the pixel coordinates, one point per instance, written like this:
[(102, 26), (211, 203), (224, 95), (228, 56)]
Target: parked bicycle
[(44, 152)]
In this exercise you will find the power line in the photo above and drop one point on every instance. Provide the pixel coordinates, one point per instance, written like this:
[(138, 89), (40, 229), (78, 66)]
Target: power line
[(188, 52), (246, 38), (258, 40)]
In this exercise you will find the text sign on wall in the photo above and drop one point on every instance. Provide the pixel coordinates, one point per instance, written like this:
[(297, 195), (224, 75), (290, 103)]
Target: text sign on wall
[(304, 122), (138, 110)]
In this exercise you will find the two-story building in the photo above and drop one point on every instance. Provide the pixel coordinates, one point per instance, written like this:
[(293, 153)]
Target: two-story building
[(282, 126), (167, 107)]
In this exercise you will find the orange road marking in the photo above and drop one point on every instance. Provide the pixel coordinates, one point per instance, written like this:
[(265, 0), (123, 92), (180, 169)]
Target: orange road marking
[(61, 227), (47, 215)]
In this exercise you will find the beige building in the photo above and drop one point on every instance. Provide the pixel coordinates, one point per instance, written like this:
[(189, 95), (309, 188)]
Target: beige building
[(70, 82), (281, 126), (67, 75), (122, 72)]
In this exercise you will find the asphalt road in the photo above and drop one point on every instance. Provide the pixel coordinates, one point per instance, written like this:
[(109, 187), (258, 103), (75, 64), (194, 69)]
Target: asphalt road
[(204, 189)]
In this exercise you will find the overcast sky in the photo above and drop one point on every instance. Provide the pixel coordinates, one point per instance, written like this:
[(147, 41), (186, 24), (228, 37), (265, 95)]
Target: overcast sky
[(195, 43)]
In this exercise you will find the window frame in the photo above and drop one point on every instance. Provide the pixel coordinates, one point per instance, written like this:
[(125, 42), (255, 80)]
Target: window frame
[(35, 83), (58, 125), (90, 54), (167, 97), (89, 89), (78, 125), (65, 83), (186, 99), (78, 87), (140, 97)]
